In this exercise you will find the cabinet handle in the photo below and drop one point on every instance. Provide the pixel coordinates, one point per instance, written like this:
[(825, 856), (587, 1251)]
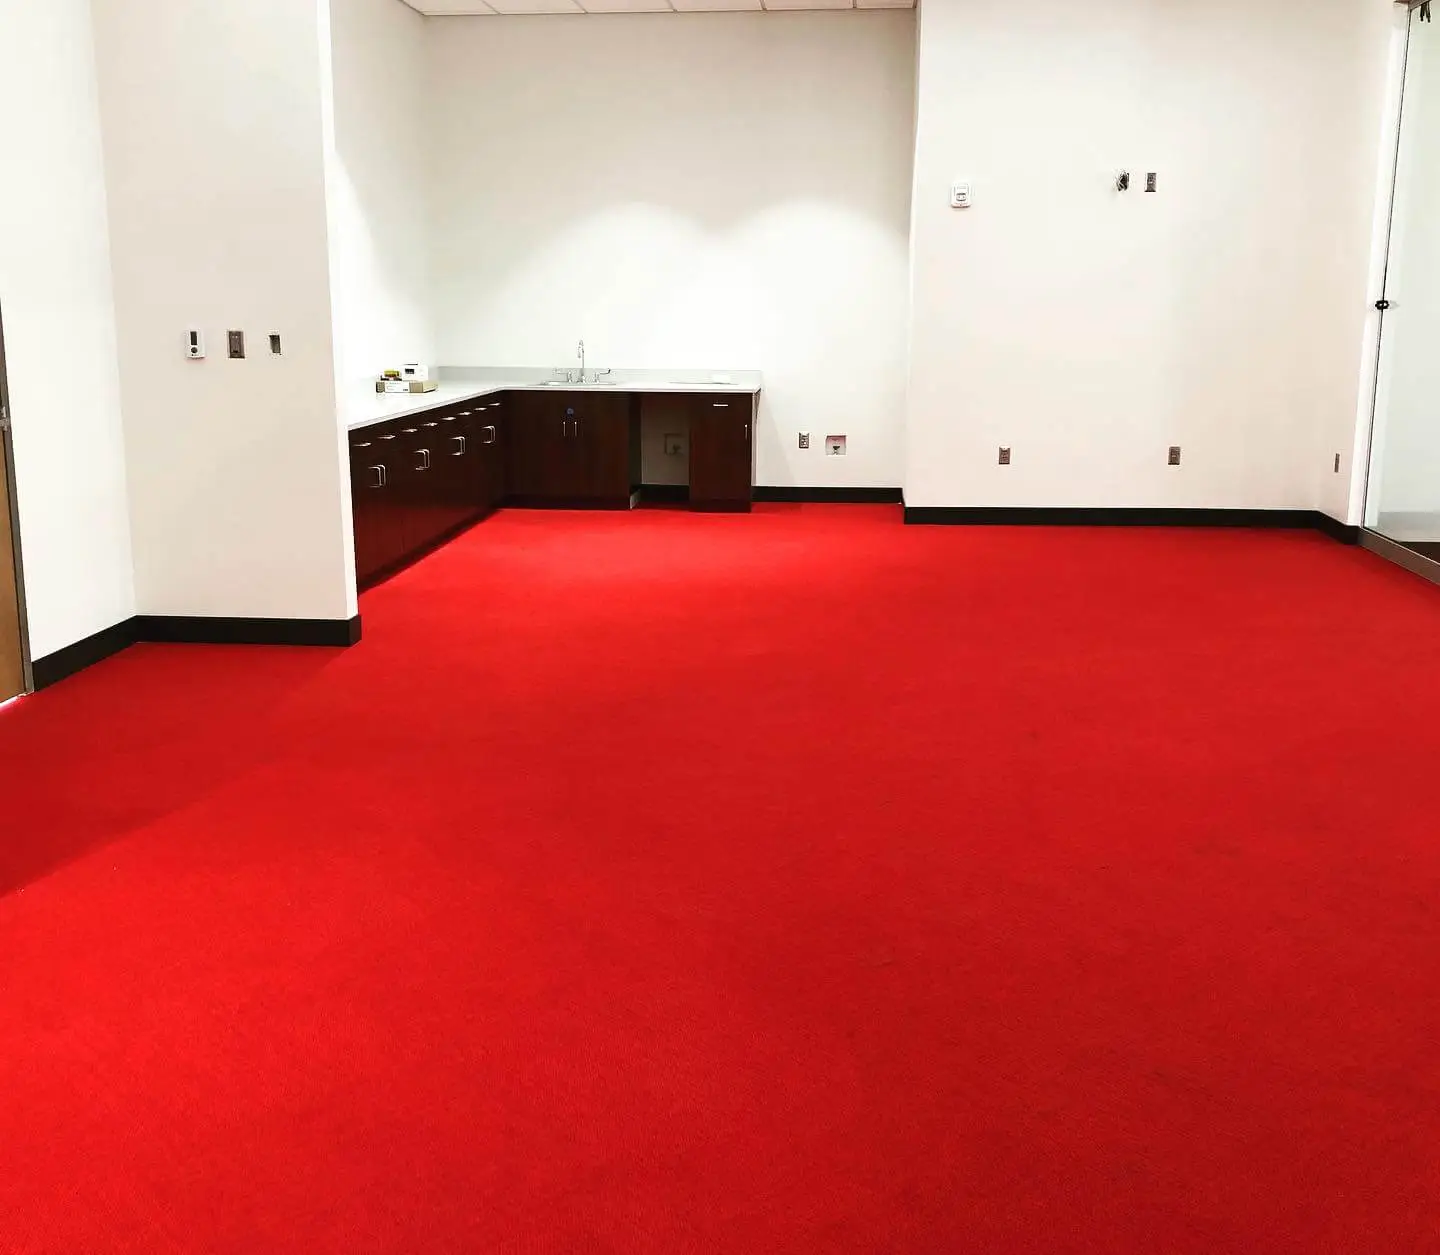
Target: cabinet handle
[(494, 435), (379, 477), (719, 405), (747, 431), (425, 465), (460, 452)]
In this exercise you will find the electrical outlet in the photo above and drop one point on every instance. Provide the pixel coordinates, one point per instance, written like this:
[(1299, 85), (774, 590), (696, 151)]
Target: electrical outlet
[(1337, 464), (275, 343), (1174, 455), (1151, 180), (804, 439), (835, 446), (237, 343), (1004, 456)]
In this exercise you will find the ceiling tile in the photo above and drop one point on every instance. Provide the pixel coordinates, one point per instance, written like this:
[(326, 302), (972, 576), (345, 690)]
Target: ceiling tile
[(715, 6), (774, 5), (535, 6), (625, 6), (453, 8), (884, 4)]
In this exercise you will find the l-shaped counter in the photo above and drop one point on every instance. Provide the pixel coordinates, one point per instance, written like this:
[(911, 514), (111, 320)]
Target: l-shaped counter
[(424, 466)]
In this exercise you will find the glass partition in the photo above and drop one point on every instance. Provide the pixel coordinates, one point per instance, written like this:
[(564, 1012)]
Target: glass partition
[(1402, 502)]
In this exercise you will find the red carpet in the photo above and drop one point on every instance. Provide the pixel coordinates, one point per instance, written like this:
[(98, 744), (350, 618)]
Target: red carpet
[(794, 883)]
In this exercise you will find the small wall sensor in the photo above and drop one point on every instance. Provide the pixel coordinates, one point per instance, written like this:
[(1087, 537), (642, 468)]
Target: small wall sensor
[(960, 195), (194, 344)]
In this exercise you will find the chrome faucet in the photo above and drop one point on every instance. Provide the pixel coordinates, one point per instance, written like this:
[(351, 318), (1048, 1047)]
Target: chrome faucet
[(580, 353)]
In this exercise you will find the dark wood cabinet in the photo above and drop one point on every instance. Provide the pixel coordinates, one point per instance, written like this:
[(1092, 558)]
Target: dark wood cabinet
[(416, 481), (573, 448), (543, 457), (722, 456), (488, 426)]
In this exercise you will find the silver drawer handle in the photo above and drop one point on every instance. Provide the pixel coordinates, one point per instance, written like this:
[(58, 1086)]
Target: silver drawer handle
[(460, 452), (494, 435), (425, 465), (379, 477), (720, 405)]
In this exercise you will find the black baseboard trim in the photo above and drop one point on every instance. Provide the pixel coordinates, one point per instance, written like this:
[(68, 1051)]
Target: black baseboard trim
[(831, 496), (64, 663), (664, 494), (1079, 516), (175, 630), (200, 630), (1336, 530)]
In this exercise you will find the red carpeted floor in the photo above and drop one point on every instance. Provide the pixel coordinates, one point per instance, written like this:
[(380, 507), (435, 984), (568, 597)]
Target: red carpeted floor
[(793, 883)]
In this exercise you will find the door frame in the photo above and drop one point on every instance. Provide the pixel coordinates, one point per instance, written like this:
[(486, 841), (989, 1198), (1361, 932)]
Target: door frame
[(7, 450)]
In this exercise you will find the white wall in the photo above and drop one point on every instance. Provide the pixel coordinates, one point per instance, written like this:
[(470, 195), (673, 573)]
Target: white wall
[(1089, 330), (214, 129), (1407, 452), (56, 300), (708, 190), (378, 213)]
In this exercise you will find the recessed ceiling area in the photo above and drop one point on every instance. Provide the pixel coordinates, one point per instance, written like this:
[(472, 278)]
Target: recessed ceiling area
[(495, 8)]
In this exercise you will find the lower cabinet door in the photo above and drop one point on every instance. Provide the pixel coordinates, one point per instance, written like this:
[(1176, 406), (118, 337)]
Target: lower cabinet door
[(540, 447), (722, 456), (601, 432), (367, 508), (488, 427)]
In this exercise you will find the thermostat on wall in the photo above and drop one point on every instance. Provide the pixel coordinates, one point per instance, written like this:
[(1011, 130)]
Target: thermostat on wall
[(960, 195), (194, 344)]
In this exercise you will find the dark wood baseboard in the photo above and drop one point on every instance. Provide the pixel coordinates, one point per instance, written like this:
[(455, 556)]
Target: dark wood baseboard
[(203, 630), (831, 496), (176, 630), (1079, 516), (64, 663)]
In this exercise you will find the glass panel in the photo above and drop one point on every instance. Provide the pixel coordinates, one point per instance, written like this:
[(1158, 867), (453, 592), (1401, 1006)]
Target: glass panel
[(1403, 501)]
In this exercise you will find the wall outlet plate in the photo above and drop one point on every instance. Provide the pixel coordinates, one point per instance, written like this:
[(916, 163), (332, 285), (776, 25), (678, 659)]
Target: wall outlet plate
[(1174, 457), (236, 341), (1004, 456), (804, 439)]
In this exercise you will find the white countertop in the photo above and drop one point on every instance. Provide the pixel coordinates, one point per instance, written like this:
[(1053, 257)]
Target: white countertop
[(369, 407)]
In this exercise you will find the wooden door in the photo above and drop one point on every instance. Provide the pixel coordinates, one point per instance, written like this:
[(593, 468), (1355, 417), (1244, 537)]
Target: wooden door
[(458, 456), (389, 506), (543, 439), (12, 659), (602, 428), (367, 482), (489, 429), (721, 452)]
